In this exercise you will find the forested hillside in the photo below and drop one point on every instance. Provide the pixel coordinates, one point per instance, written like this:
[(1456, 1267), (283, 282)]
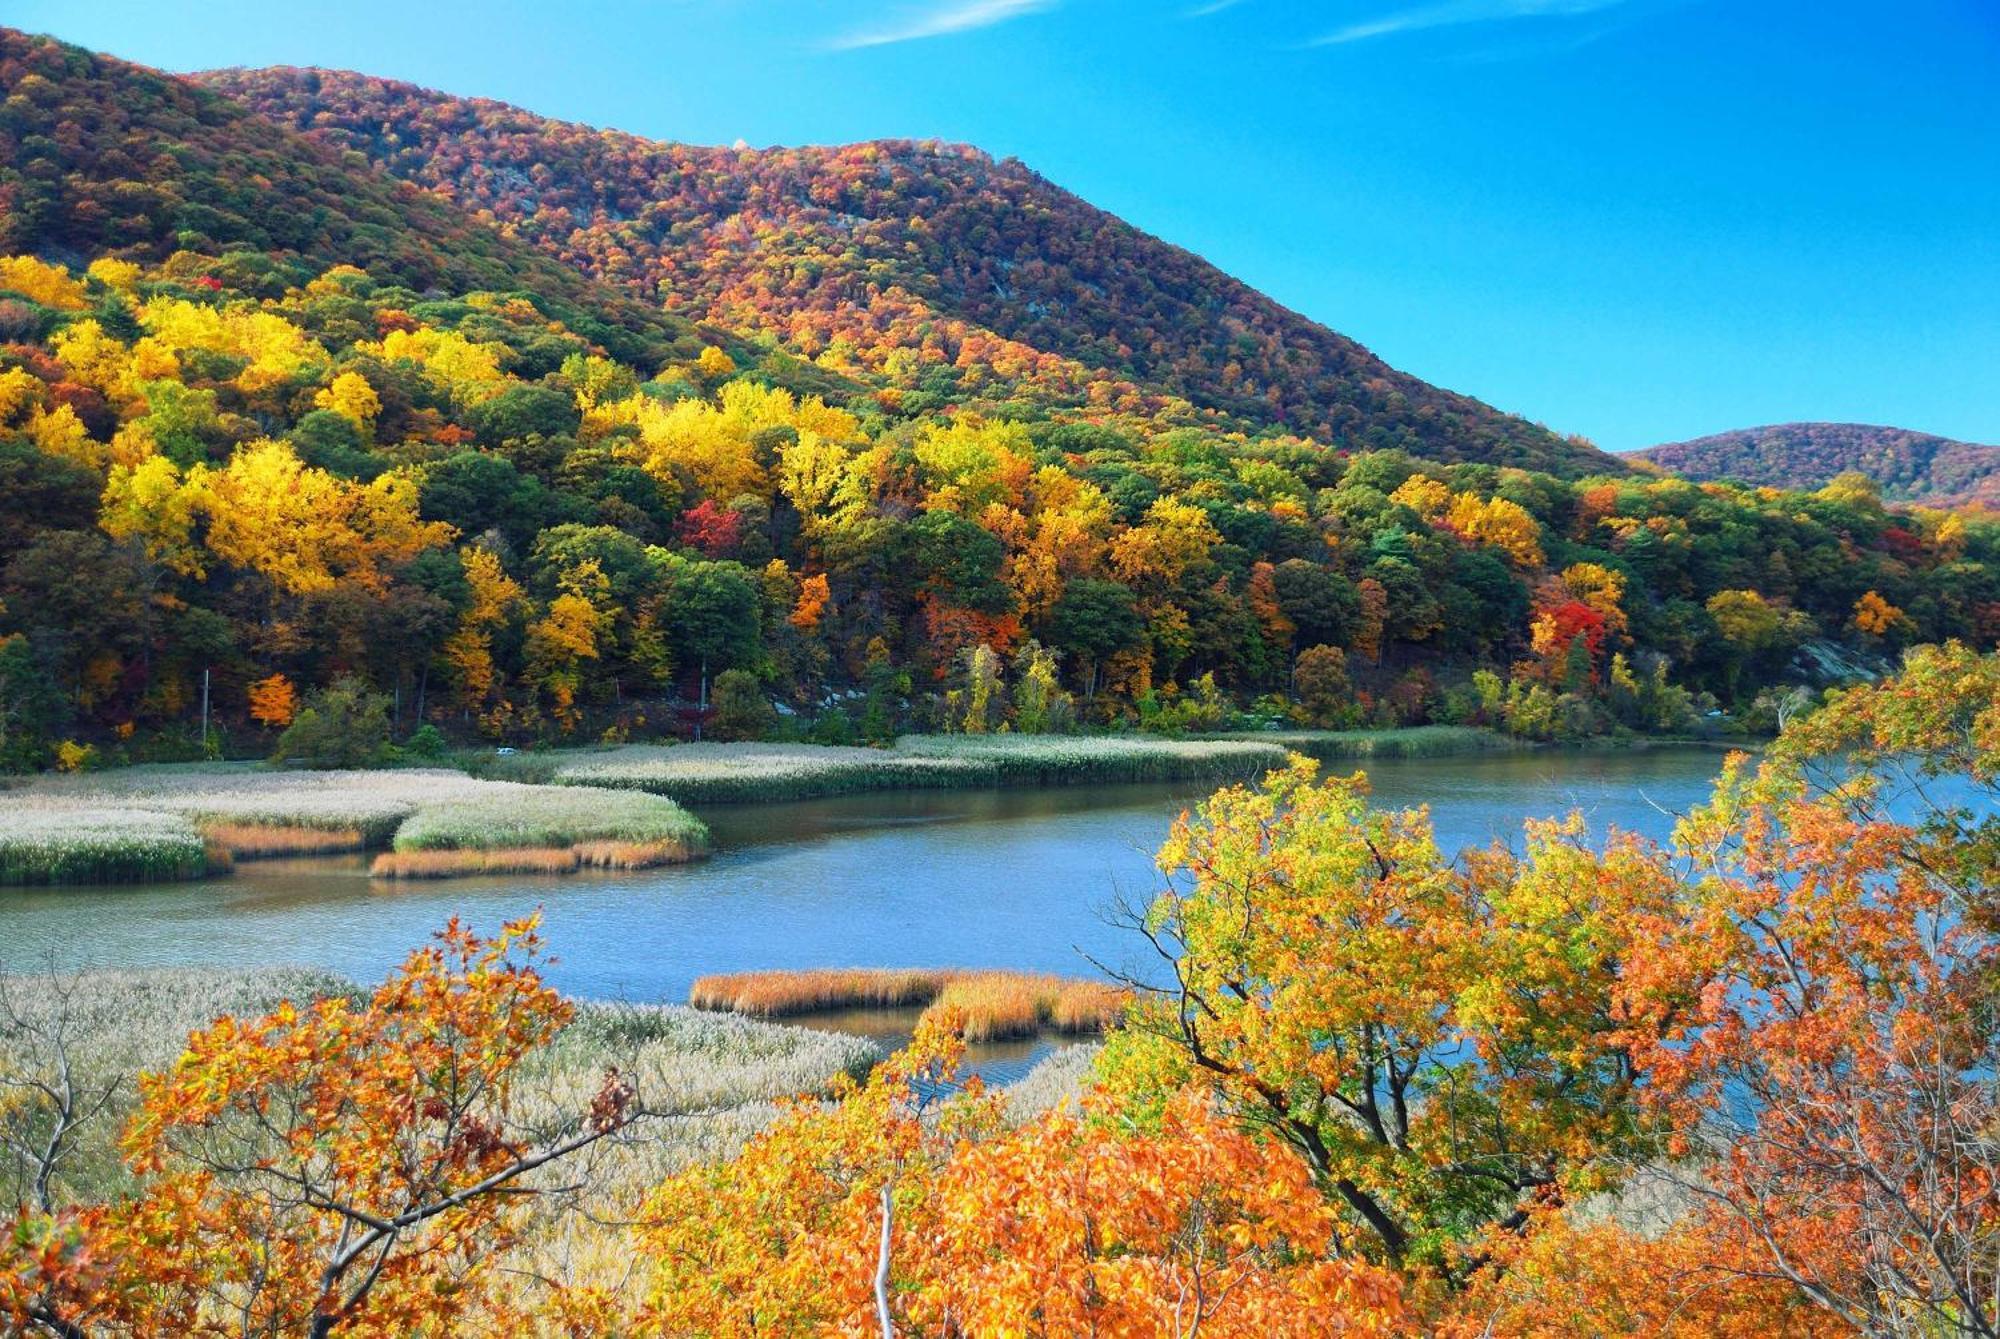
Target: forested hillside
[(99, 156), (459, 504), (467, 482), (961, 279), (1907, 466)]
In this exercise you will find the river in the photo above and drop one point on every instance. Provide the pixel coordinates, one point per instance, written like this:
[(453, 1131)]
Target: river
[(1002, 878)]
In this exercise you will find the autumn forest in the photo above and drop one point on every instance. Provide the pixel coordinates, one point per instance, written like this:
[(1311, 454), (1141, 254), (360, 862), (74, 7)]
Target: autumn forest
[(407, 488)]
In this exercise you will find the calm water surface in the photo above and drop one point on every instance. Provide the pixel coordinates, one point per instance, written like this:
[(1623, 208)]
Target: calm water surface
[(1016, 879)]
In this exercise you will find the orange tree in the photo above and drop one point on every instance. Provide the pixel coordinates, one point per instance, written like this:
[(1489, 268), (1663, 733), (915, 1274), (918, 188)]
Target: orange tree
[(351, 1166), (875, 1214), (1434, 1039), (1818, 1023)]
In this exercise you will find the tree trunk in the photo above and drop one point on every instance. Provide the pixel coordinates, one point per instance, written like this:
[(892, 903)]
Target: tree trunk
[(882, 1269)]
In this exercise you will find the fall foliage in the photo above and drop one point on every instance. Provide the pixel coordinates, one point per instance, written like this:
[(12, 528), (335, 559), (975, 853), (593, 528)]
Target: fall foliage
[(1741, 1085)]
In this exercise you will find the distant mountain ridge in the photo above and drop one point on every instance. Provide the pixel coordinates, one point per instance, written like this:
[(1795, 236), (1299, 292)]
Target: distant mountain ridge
[(1909, 466), (960, 277)]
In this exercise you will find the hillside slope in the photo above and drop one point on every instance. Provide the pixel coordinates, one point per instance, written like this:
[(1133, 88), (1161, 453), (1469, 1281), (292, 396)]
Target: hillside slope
[(960, 277), (1909, 466), (100, 156)]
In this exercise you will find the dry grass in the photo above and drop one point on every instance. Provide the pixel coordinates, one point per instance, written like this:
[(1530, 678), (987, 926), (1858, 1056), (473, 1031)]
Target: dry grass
[(718, 1077), (635, 854), (991, 1005), (1087, 1006), (143, 824), (1061, 1077), (258, 841), (459, 863), (821, 990)]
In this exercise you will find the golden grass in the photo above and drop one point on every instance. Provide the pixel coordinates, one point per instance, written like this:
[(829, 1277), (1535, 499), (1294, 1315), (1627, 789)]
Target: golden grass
[(1087, 1006), (254, 841), (454, 864), (633, 855), (821, 990), (459, 862), (990, 1005)]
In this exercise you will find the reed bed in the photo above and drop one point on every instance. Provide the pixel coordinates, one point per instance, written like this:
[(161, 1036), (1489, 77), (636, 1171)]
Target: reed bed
[(1067, 760), (261, 841), (1414, 741), (457, 863), (54, 830), (550, 816), (718, 1076), (991, 1005), (816, 991), (48, 843), (698, 774), (1000, 1006)]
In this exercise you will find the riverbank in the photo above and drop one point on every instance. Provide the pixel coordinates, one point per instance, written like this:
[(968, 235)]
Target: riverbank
[(1412, 741), (607, 808), (707, 773), (183, 821)]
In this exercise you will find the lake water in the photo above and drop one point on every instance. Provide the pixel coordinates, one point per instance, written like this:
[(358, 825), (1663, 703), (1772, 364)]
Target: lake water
[(1016, 879)]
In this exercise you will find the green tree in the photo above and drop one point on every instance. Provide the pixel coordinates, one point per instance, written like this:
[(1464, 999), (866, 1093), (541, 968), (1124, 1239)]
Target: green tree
[(1094, 620), (343, 725), (742, 711)]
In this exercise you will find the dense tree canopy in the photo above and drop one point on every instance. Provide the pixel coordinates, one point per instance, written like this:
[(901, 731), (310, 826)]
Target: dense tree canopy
[(482, 515)]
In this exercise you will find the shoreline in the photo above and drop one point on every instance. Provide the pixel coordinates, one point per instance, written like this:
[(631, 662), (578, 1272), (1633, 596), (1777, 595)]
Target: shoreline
[(622, 807)]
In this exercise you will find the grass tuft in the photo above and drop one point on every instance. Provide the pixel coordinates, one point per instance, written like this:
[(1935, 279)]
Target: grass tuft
[(454, 862), (259, 841), (990, 1005)]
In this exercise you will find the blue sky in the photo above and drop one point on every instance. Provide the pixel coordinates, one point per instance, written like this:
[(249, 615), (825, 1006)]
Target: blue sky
[(1638, 220)]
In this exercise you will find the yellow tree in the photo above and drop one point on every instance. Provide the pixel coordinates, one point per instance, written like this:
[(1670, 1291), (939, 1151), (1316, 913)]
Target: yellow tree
[(305, 529), (493, 596), (350, 396), (149, 502), (1434, 1040), (566, 635)]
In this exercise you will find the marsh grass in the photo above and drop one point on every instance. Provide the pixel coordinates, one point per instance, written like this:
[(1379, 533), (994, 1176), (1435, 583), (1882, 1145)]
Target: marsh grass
[(1415, 741), (169, 822), (698, 774), (780, 994), (458, 863), (549, 816), (1070, 760), (44, 844), (262, 841), (1059, 1077), (717, 1076), (990, 1005)]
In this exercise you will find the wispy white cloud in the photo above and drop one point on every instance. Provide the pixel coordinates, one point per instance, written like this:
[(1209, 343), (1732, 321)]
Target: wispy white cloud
[(1451, 13), (958, 16), (1202, 11)]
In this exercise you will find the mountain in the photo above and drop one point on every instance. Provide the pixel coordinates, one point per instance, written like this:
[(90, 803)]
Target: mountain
[(961, 278), (100, 156), (1909, 466)]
